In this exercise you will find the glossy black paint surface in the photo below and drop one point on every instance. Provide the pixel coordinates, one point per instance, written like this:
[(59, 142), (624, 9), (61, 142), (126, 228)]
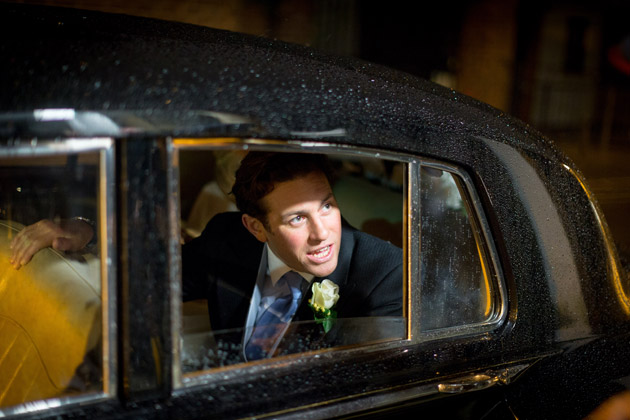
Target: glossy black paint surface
[(565, 316), (90, 61)]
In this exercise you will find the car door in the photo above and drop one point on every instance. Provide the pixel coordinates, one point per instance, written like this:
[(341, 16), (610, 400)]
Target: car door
[(457, 311)]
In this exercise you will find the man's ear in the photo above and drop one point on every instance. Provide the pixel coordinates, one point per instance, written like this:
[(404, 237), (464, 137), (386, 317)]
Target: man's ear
[(255, 227)]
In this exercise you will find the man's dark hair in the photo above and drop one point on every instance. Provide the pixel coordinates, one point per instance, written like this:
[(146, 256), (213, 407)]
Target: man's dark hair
[(261, 171)]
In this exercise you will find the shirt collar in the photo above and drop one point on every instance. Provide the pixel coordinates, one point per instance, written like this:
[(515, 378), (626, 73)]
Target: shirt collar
[(277, 268)]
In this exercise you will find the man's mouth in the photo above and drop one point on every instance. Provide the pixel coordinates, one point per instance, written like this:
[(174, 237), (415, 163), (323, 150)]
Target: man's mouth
[(322, 253)]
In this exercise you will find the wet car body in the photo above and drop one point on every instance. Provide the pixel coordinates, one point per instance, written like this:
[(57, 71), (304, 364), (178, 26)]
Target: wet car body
[(559, 348)]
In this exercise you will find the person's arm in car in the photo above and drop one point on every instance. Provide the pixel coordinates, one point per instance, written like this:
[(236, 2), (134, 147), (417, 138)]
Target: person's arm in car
[(67, 235)]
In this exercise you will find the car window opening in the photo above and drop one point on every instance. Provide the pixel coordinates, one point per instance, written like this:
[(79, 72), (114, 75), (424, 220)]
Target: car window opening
[(365, 208), (457, 286)]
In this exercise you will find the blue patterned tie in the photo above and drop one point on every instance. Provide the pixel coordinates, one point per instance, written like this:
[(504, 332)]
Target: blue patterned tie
[(272, 324)]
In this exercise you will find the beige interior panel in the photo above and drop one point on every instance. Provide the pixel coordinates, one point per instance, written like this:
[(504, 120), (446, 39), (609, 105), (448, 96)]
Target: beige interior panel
[(50, 319)]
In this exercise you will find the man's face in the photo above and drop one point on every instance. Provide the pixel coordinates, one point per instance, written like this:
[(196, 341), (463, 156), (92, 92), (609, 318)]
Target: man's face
[(304, 224)]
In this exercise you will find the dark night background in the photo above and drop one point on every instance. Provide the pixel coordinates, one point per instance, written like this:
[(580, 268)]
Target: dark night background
[(550, 63)]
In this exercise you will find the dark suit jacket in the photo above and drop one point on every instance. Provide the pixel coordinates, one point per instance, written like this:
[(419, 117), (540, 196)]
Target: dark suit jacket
[(221, 265)]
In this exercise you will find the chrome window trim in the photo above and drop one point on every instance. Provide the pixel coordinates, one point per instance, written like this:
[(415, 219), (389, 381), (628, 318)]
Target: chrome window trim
[(107, 224), (412, 248), (39, 406), (411, 226), (38, 148), (174, 257), (106, 240)]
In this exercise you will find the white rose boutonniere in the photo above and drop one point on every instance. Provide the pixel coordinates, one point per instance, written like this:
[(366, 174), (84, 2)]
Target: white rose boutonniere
[(325, 297)]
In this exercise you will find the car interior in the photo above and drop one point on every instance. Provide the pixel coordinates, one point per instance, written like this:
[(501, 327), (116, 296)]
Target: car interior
[(369, 192), (50, 309)]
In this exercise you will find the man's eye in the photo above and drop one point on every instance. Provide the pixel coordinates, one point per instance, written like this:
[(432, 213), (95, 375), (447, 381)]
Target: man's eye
[(327, 206), (296, 220)]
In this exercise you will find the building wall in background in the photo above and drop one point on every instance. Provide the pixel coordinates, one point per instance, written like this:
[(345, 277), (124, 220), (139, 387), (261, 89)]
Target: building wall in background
[(487, 51)]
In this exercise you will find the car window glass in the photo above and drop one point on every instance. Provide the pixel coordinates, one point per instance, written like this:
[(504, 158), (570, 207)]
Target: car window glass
[(369, 194), (456, 288), (50, 309)]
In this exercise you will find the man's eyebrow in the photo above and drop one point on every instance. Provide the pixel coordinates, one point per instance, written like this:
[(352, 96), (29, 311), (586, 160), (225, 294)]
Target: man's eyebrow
[(297, 212), (328, 197)]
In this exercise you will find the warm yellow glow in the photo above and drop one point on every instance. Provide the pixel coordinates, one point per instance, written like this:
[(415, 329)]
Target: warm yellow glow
[(613, 263), (50, 317), (486, 281), (407, 226), (103, 235), (223, 140)]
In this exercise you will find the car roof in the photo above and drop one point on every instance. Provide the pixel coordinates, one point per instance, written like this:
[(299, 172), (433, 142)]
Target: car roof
[(85, 60)]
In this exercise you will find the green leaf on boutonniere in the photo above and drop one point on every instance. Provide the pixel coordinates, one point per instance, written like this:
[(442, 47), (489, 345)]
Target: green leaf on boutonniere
[(326, 317), (325, 296)]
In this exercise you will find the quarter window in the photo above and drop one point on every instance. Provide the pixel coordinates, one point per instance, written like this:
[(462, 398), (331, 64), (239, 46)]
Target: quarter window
[(457, 284)]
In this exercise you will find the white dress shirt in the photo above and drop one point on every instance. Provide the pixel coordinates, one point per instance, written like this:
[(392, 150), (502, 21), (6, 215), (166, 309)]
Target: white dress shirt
[(270, 270)]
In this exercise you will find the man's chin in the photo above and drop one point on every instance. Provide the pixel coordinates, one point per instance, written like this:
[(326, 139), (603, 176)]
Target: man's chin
[(324, 270)]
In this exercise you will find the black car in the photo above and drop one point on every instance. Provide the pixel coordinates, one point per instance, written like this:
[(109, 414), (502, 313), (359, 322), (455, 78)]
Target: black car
[(514, 302)]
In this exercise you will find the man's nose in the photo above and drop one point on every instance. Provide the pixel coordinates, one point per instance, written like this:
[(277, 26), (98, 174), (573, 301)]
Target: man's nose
[(319, 231)]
